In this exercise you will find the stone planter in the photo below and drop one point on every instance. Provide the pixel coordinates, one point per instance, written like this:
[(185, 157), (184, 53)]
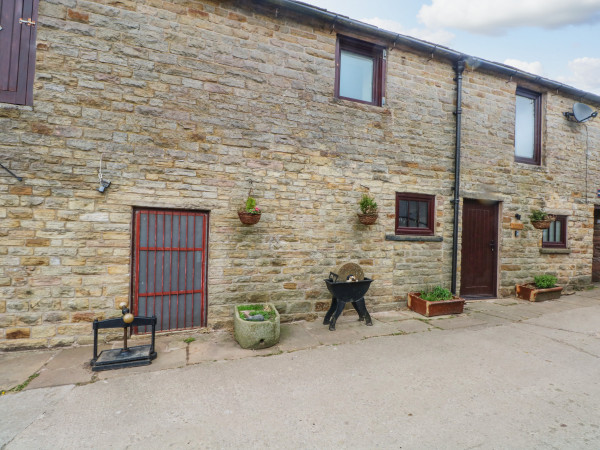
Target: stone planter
[(256, 335), (430, 309), (533, 294)]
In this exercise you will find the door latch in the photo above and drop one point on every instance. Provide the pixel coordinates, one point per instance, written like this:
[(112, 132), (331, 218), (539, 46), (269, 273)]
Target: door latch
[(28, 22), (493, 245)]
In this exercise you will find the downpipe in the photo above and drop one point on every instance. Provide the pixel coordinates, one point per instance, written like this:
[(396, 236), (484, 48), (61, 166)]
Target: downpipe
[(459, 69)]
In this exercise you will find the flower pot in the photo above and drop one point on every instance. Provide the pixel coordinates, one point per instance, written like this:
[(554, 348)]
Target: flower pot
[(533, 294), (430, 309), (256, 335), (247, 218), (367, 219), (541, 224)]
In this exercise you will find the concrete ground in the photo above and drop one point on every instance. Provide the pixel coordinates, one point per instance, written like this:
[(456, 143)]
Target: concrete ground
[(505, 374)]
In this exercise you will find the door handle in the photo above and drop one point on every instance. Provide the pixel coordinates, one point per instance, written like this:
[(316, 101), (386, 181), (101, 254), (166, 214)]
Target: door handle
[(493, 245)]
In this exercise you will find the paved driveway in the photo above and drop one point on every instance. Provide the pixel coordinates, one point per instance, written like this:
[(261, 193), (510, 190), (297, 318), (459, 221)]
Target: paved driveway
[(507, 374)]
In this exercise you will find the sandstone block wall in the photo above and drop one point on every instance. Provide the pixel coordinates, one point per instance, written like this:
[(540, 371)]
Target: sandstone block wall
[(189, 100)]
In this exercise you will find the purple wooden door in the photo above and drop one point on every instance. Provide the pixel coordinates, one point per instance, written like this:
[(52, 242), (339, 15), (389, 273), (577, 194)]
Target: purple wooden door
[(17, 50), (169, 279), (479, 254)]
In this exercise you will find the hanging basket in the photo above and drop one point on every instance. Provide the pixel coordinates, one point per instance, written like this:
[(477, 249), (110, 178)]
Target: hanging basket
[(247, 218), (543, 224), (367, 219)]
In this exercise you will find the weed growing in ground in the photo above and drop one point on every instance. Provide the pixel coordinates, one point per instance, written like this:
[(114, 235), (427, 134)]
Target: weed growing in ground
[(22, 386)]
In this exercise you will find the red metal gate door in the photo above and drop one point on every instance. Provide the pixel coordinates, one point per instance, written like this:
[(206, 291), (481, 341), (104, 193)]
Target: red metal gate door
[(170, 251)]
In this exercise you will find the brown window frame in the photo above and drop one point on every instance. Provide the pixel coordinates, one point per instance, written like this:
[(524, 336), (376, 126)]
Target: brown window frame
[(430, 199), (363, 48), (17, 53), (537, 127), (562, 243)]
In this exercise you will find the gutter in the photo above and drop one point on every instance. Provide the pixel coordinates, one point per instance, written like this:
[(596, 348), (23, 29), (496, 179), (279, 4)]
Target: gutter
[(432, 49), (459, 69)]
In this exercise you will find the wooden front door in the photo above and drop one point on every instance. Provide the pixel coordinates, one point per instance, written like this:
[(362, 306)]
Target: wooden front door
[(170, 265), (479, 254)]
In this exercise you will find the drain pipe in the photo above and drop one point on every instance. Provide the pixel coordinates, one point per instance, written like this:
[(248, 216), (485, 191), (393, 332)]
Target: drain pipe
[(458, 68)]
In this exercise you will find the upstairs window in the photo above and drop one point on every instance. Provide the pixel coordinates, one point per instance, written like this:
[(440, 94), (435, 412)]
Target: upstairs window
[(556, 235), (414, 214), (17, 50), (528, 127), (359, 71)]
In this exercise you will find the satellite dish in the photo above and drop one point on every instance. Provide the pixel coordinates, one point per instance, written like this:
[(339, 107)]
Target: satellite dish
[(581, 113)]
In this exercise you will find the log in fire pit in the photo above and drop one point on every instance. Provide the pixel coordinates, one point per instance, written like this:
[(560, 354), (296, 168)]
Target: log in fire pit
[(349, 289)]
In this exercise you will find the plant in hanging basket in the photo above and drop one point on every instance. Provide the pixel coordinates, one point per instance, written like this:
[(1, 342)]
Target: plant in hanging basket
[(540, 219), (250, 214), (368, 208)]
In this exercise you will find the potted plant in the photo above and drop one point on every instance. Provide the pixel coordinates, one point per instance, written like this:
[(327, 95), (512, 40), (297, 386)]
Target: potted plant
[(256, 326), (435, 302), (368, 208), (250, 214), (540, 219), (543, 288)]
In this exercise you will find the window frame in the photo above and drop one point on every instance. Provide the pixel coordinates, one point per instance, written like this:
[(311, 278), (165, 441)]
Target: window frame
[(563, 234), (363, 48), (407, 196), (537, 127)]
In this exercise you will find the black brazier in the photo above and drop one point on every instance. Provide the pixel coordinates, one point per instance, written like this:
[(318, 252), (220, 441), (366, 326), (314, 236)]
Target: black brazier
[(343, 292)]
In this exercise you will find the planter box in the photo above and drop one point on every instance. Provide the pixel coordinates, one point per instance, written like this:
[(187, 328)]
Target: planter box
[(533, 294), (256, 335), (430, 309)]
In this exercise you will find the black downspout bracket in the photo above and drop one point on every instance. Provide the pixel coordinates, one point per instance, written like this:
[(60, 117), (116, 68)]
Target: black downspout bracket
[(9, 171)]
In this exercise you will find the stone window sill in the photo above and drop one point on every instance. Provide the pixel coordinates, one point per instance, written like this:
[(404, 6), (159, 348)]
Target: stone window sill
[(393, 237), (555, 251), (17, 107)]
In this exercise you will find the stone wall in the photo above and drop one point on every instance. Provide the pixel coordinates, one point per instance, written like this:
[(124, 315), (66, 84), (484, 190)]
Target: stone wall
[(187, 101)]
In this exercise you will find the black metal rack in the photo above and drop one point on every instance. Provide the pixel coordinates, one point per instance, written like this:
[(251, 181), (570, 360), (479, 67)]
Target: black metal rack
[(118, 358)]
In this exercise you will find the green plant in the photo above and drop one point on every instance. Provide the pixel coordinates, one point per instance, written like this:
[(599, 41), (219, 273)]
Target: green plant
[(437, 294), (266, 312), (251, 207), (538, 215), (367, 204), (544, 281), (23, 385), (189, 340)]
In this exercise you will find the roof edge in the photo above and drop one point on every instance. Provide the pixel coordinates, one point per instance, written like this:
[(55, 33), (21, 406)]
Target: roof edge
[(435, 49)]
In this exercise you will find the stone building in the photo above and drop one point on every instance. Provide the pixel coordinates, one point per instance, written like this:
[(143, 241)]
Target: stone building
[(186, 105)]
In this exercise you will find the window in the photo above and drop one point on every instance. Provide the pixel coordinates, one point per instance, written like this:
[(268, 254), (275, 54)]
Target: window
[(528, 127), (414, 214), (17, 50), (556, 235), (359, 71)]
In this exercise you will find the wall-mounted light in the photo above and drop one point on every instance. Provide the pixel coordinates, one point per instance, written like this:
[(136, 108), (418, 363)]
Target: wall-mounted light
[(518, 216), (104, 184)]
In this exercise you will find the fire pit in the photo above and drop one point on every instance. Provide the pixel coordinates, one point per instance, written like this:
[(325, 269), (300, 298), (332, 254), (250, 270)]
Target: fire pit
[(343, 292)]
